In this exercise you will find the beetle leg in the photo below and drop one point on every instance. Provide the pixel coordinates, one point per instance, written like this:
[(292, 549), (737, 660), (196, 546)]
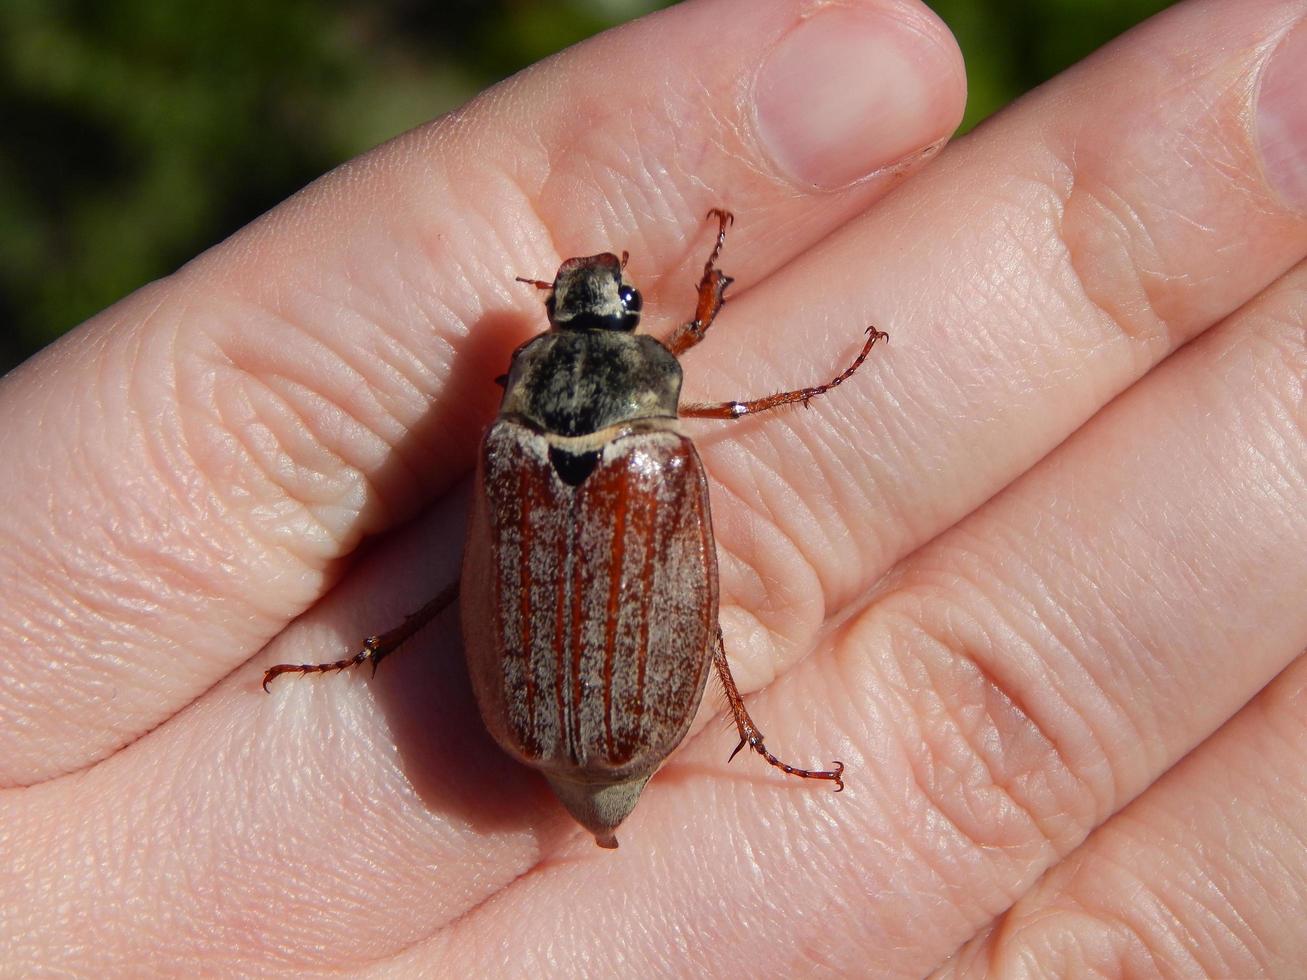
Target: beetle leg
[(711, 289), (737, 410), (375, 648), (749, 734)]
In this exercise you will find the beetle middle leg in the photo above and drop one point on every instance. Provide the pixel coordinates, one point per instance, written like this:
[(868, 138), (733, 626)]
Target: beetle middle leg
[(375, 648), (711, 289), (737, 410), (749, 734)]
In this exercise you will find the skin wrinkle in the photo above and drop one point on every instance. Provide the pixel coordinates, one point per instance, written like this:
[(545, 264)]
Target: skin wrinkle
[(322, 487), (765, 529), (102, 588), (1123, 726), (1163, 928), (381, 358), (1283, 458), (1218, 914), (317, 463), (1152, 918), (176, 575), (997, 571), (1135, 942), (358, 381), (953, 710), (1286, 340), (1218, 927), (243, 363), (838, 479), (1137, 229), (1137, 323), (256, 460), (793, 519), (910, 848), (1053, 623), (991, 670)]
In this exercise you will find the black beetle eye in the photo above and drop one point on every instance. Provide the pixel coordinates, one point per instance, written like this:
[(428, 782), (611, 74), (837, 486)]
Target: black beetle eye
[(630, 297)]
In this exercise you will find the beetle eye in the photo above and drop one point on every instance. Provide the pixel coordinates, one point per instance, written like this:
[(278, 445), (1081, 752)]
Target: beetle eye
[(630, 297)]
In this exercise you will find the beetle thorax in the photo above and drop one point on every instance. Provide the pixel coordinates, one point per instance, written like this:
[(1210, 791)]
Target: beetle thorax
[(572, 383)]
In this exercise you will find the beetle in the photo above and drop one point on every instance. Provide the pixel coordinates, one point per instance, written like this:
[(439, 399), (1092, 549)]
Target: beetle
[(589, 593)]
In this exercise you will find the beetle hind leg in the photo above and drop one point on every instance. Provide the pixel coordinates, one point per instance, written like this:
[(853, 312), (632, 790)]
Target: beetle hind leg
[(749, 734), (375, 648)]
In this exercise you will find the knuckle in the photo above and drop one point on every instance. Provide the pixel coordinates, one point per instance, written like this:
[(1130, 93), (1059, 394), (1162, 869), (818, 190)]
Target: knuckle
[(1117, 272), (993, 747), (1069, 941)]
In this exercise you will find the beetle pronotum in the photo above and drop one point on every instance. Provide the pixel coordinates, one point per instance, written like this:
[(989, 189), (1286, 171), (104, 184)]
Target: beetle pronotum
[(589, 591)]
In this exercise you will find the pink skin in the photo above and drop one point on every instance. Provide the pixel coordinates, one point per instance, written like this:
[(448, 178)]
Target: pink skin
[(1007, 598)]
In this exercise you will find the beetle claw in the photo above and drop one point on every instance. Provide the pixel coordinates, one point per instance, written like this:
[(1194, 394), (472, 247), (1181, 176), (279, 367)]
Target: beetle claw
[(743, 743)]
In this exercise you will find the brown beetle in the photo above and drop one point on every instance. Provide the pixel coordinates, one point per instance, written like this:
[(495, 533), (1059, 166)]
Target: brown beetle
[(589, 590)]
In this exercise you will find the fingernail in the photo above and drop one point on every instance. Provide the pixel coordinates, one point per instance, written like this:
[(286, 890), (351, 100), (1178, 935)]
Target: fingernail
[(1282, 119), (848, 91)]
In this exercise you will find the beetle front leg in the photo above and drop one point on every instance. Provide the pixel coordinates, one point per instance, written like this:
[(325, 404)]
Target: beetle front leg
[(737, 410), (749, 734), (711, 290), (375, 648)]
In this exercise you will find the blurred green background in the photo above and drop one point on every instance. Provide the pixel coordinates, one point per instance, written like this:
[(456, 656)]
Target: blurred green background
[(139, 132)]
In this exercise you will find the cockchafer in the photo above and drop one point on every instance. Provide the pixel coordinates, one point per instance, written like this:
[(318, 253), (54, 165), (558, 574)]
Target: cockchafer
[(589, 596)]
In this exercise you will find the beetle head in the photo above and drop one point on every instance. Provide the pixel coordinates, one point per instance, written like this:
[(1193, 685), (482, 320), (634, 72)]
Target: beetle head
[(593, 293)]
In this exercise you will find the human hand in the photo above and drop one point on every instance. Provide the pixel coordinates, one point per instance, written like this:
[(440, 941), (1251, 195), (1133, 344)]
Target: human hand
[(1009, 606)]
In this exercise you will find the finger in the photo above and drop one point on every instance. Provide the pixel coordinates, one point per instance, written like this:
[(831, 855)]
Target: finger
[(309, 829), (1205, 875), (1040, 267), (186, 472), (1044, 662)]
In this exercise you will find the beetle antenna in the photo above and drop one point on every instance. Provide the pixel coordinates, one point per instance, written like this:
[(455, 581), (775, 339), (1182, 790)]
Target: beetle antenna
[(538, 283)]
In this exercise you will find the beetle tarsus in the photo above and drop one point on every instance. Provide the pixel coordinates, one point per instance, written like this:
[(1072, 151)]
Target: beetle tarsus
[(839, 776), (834, 775), (278, 669), (724, 220), (711, 292)]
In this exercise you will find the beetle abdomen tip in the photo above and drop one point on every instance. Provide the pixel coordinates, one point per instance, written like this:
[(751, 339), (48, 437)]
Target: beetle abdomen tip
[(598, 807)]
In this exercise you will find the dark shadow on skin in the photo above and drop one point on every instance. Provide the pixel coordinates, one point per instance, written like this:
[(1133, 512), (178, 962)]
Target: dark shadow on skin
[(445, 751), (423, 689)]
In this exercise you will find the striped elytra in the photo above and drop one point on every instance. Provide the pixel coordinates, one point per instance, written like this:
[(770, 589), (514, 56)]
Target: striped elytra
[(589, 610)]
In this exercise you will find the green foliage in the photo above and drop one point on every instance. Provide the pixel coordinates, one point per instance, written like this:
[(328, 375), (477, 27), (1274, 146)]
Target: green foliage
[(139, 132), (1013, 45)]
